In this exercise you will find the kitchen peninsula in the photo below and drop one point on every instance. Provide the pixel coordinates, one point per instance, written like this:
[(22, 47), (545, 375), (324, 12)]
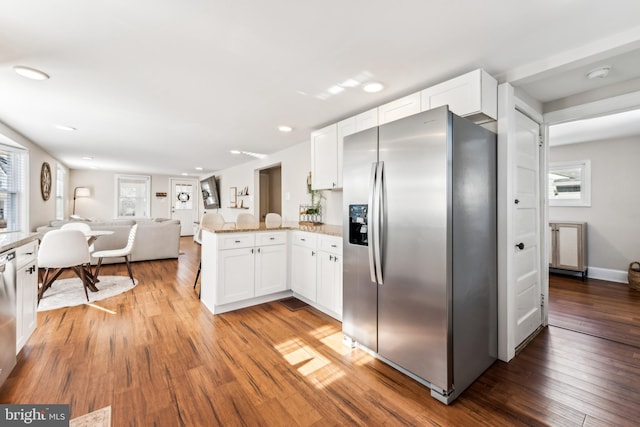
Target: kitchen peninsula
[(250, 266)]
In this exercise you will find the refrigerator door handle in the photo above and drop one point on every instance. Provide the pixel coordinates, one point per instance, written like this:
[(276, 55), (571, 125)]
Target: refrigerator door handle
[(379, 225), (370, 222)]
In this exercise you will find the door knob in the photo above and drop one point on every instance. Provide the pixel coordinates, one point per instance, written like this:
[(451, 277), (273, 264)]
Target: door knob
[(520, 246)]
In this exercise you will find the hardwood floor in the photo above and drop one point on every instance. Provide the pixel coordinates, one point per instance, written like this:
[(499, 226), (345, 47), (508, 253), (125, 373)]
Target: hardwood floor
[(161, 359), (603, 309)]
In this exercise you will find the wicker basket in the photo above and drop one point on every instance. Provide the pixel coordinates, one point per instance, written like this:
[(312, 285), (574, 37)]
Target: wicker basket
[(634, 275)]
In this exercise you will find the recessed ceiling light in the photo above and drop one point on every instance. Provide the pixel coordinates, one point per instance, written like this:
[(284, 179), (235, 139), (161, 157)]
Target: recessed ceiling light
[(599, 73), (30, 73), (184, 174), (234, 152), (87, 158), (285, 128), (198, 168), (63, 127), (373, 87)]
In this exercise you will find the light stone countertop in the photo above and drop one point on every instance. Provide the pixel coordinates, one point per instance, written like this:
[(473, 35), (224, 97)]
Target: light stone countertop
[(16, 239), (331, 230)]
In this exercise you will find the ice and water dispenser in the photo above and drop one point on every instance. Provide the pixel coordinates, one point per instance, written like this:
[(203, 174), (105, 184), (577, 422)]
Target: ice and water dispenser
[(358, 225)]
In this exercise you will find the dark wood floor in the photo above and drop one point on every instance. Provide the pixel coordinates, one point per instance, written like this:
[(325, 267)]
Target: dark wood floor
[(160, 359)]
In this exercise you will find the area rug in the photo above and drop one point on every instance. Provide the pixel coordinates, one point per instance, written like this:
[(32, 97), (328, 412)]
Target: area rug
[(70, 292), (293, 304), (99, 418)]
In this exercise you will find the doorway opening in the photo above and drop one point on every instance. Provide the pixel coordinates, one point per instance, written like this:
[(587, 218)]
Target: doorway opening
[(270, 185)]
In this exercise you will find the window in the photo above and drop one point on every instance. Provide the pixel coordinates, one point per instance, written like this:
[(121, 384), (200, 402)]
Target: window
[(59, 192), (133, 194), (12, 189), (570, 183)]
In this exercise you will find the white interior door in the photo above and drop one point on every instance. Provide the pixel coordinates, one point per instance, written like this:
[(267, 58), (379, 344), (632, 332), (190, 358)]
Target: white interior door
[(184, 204), (526, 228)]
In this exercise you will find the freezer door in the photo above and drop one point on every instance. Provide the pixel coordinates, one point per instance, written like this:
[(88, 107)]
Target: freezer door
[(413, 316), (359, 306)]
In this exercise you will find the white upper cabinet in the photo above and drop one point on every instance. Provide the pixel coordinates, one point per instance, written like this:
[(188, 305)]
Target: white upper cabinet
[(327, 148), (324, 158), (473, 95), (367, 120), (400, 108)]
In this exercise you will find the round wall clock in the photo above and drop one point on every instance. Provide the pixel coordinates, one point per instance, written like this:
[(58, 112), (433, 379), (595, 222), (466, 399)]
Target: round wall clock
[(45, 181)]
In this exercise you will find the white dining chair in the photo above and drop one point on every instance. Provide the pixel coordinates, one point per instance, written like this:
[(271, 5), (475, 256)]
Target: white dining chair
[(85, 228), (61, 249), (210, 220), (245, 220), (272, 220), (118, 253)]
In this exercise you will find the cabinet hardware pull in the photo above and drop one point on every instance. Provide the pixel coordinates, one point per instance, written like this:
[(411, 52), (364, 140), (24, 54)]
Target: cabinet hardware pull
[(303, 240), (516, 201), (252, 250), (520, 246), (330, 257), (334, 246), (335, 259), (28, 253), (272, 238), (237, 241), (258, 250), (312, 253)]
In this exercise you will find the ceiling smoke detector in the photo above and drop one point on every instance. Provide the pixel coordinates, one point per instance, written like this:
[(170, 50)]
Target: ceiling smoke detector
[(599, 73)]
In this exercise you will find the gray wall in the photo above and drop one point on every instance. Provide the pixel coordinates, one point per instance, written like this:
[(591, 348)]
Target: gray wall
[(613, 238)]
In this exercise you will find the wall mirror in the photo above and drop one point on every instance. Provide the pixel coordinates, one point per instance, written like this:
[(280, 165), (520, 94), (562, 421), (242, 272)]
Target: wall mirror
[(570, 183)]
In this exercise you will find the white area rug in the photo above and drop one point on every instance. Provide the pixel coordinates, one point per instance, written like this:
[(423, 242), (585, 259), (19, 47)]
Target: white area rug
[(99, 418), (70, 292)]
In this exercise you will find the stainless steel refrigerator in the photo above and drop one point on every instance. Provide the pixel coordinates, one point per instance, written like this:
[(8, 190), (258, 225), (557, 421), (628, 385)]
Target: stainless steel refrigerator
[(420, 279)]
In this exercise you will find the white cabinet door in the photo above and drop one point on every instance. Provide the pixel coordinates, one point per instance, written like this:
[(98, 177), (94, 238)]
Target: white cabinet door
[(271, 269), (473, 95), (399, 108), (367, 120), (324, 158), (303, 271), (236, 275), (26, 303), (329, 282)]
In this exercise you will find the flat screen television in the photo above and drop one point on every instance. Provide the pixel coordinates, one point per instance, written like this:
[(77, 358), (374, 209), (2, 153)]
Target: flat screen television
[(210, 193)]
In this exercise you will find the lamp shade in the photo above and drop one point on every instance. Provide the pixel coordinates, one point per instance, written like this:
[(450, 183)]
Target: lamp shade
[(82, 192)]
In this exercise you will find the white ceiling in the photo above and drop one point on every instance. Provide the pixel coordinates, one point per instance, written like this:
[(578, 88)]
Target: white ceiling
[(164, 86)]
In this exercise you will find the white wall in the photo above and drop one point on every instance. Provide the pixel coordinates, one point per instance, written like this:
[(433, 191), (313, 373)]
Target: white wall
[(614, 216), (102, 203), (40, 211), (296, 164)]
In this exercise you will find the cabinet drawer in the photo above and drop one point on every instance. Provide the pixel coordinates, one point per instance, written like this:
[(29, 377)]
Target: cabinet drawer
[(263, 239), (26, 253), (302, 238), (236, 240), (331, 244)]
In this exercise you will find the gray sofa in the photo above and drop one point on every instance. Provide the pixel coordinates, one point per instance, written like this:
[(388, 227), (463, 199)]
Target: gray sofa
[(155, 238)]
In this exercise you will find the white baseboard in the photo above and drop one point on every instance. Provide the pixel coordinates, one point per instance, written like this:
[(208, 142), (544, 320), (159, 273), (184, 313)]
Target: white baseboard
[(608, 274)]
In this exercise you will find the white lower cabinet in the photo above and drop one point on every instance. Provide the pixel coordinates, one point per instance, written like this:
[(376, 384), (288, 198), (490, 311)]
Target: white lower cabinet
[(26, 293), (236, 275), (271, 269), (241, 267), (316, 270), (329, 283), (303, 264)]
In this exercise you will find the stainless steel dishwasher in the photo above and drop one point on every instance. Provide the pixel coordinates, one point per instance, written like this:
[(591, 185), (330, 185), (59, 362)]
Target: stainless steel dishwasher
[(7, 314)]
